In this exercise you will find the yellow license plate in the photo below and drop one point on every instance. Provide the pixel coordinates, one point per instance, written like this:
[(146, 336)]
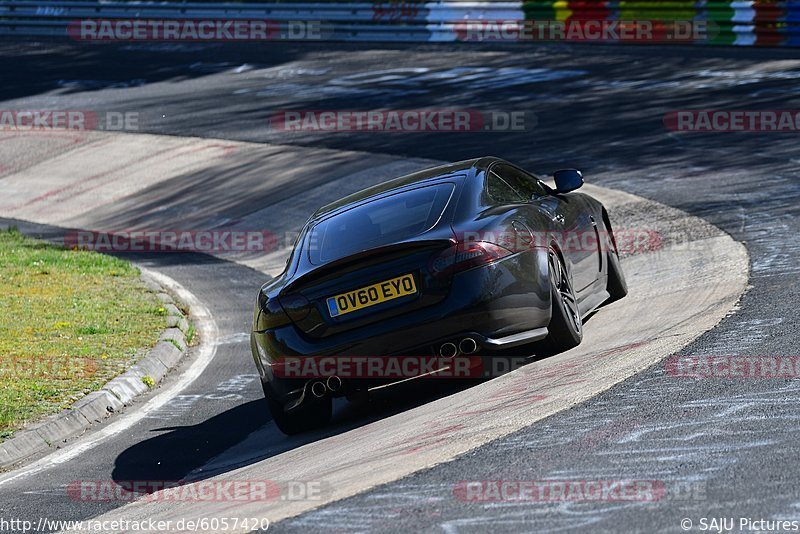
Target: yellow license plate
[(371, 295)]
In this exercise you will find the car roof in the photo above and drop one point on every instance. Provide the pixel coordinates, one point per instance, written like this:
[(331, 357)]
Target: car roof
[(426, 175)]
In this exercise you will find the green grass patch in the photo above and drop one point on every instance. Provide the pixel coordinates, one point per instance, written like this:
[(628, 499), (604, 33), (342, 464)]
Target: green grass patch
[(190, 334), (175, 344), (69, 322)]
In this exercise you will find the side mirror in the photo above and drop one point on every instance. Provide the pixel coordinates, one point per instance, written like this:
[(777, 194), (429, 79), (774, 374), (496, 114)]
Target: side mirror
[(568, 180)]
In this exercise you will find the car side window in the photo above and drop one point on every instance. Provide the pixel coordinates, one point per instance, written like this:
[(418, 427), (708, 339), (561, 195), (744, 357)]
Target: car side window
[(500, 190), (525, 184)]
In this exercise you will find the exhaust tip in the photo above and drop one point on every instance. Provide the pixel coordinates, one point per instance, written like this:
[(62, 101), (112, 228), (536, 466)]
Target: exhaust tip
[(334, 383), (319, 389), (468, 345), (448, 350)]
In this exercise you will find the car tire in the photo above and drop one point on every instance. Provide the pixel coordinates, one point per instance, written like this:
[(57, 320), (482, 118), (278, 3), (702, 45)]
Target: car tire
[(311, 414), (565, 330)]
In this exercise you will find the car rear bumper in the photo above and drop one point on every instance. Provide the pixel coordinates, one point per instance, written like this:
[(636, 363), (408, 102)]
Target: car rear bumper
[(500, 305)]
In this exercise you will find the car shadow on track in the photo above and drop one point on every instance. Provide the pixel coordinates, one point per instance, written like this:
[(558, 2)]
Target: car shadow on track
[(245, 434)]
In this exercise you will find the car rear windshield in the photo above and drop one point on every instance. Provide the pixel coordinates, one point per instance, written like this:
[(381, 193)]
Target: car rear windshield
[(377, 223)]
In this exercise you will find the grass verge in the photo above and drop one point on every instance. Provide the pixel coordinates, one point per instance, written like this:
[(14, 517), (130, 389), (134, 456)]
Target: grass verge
[(69, 322)]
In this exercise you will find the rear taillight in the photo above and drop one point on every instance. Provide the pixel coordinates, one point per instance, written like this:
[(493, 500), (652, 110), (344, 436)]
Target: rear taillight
[(464, 256), (271, 314)]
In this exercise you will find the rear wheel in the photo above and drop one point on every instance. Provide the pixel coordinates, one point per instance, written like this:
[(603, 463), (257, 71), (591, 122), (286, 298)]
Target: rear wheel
[(312, 413), (565, 330)]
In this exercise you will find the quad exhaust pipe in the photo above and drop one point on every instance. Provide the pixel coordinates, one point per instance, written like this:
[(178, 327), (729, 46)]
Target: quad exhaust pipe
[(465, 346), (321, 388), (468, 345), (334, 383), (448, 350)]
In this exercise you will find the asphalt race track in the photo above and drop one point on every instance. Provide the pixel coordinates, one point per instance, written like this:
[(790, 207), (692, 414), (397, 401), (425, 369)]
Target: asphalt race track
[(723, 448)]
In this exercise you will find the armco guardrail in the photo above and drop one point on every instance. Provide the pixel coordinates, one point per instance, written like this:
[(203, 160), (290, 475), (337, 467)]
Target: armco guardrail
[(378, 21), (731, 22)]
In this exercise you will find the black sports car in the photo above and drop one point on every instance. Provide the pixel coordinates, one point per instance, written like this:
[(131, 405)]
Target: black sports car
[(461, 259)]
